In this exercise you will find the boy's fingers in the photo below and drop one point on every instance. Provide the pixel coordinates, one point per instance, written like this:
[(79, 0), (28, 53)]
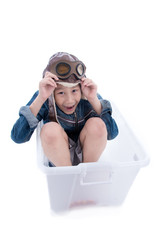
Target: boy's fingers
[(52, 82), (49, 81), (83, 78), (49, 74), (87, 81)]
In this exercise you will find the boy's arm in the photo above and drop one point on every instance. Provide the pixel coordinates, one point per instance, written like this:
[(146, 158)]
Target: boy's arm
[(36, 105), (34, 111), (106, 116), (89, 90), (96, 104), (27, 122), (46, 88)]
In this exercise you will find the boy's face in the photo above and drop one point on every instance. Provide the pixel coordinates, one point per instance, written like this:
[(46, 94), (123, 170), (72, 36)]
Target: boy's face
[(67, 98)]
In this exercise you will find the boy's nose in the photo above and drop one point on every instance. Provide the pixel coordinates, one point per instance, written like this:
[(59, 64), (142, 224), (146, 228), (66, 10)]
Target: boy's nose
[(69, 99)]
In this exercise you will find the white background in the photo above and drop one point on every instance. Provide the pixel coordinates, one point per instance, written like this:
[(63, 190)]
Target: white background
[(119, 43)]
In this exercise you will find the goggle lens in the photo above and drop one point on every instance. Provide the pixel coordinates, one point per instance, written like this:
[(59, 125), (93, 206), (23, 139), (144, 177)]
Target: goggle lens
[(63, 69), (80, 69)]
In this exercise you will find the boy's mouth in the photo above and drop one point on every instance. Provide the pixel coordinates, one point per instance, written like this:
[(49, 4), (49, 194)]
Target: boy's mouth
[(69, 108)]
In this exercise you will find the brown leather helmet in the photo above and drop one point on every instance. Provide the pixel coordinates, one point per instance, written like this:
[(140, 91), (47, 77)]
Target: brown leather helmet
[(67, 67)]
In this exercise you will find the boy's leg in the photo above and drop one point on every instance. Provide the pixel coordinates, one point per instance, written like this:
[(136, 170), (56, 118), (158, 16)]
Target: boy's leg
[(55, 144), (93, 138)]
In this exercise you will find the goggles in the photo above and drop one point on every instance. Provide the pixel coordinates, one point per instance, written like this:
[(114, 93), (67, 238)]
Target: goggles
[(64, 69)]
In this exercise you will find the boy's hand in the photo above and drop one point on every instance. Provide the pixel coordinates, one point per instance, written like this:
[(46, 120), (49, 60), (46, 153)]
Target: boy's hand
[(89, 89), (47, 85)]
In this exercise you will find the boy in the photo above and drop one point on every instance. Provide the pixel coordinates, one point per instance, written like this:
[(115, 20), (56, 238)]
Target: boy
[(77, 121)]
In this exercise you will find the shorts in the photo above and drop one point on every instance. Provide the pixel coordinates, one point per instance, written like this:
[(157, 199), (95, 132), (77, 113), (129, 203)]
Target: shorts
[(75, 152)]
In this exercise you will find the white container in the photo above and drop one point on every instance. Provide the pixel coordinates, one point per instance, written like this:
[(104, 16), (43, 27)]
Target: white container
[(105, 182)]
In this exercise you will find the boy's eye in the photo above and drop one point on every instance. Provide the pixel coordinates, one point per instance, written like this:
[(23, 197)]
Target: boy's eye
[(61, 93), (74, 90)]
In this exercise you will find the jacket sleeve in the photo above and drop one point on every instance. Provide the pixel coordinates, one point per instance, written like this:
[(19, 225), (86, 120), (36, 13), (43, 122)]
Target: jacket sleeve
[(26, 123), (106, 116)]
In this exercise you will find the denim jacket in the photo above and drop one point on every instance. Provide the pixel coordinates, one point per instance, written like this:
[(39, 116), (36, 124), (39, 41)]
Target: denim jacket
[(72, 124)]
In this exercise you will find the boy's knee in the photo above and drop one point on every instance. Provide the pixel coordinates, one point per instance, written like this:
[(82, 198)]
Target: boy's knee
[(51, 132), (96, 127)]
